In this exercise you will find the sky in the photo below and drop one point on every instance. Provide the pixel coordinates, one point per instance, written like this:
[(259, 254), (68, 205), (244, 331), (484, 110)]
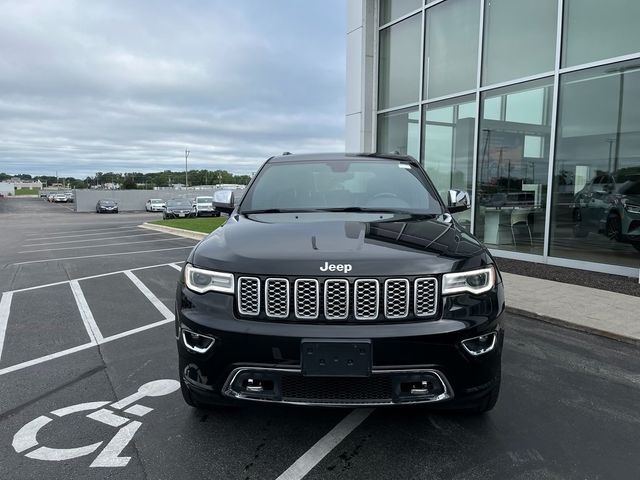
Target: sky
[(121, 85)]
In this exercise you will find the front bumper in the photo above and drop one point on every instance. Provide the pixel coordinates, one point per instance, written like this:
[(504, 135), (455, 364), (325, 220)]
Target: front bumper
[(180, 214), (404, 356)]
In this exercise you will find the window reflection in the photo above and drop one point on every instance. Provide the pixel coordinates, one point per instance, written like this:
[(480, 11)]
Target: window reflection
[(513, 160), (448, 147), (519, 39), (596, 192), (399, 132), (451, 47), (399, 67)]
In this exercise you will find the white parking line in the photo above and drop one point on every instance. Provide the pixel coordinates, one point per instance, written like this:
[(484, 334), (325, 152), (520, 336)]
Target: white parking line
[(26, 289), (173, 265), (321, 449), (78, 247), (69, 351), (85, 312), (166, 313), (101, 255), (90, 239), (39, 234), (5, 307), (55, 237)]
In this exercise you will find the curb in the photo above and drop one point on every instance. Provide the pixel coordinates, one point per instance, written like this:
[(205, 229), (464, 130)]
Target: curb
[(181, 232), (574, 326)]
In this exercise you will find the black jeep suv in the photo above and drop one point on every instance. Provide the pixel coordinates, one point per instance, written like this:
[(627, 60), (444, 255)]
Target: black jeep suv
[(341, 280)]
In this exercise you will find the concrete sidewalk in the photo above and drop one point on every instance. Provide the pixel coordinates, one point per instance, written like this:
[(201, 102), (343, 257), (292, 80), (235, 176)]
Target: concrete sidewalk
[(605, 313), (601, 312)]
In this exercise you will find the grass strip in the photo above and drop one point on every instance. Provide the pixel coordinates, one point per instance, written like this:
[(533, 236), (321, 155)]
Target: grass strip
[(202, 224)]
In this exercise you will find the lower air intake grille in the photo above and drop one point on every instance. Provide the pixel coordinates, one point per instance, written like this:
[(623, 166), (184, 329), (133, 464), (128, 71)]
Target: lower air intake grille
[(377, 388)]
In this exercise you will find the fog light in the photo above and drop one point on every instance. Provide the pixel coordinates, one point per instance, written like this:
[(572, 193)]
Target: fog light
[(478, 345), (196, 342)]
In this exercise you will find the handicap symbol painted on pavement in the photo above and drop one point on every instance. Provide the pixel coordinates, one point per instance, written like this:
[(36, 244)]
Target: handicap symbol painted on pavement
[(25, 438)]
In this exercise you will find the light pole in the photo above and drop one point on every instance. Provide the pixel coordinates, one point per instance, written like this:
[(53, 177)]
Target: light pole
[(186, 177)]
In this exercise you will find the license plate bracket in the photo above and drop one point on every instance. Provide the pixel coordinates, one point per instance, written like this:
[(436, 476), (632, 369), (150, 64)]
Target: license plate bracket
[(335, 358)]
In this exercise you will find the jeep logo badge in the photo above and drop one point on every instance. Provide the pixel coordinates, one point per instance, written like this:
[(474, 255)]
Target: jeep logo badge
[(340, 267)]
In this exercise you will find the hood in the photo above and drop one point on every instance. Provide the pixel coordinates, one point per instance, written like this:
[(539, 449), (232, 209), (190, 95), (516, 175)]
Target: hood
[(373, 244)]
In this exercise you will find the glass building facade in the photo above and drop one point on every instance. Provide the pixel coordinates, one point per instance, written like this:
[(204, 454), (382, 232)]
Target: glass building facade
[(533, 106)]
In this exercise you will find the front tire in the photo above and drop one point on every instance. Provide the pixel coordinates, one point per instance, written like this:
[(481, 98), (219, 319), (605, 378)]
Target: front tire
[(578, 229), (614, 227)]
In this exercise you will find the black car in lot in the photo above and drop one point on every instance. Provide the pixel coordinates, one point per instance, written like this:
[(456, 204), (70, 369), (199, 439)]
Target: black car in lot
[(341, 280), (179, 208), (106, 206)]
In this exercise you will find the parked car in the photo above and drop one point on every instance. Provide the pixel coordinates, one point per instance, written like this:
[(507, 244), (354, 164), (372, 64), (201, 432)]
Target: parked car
[(178, 208), (50, 196), (43, 194), (106, 206), (70, 196), (341, 280), (204, 206), (155, 205), (60, 198), (609, 204)]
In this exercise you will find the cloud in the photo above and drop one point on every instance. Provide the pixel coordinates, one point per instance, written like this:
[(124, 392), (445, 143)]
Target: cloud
[(90, 86)]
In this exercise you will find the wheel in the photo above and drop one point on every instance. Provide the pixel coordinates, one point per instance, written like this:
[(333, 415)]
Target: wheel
[(578, 229), (614, 227), (216, 214), (164, 216)]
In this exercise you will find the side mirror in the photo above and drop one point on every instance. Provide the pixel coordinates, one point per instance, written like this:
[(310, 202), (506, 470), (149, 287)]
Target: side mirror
[(458, 201), (223, 200)]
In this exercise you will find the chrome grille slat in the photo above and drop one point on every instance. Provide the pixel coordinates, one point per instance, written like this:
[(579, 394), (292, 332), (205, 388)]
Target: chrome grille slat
[(336, 299), (307, 298), (366, 299), (396, 298), (276, 292), (249, 296), (425, 297)]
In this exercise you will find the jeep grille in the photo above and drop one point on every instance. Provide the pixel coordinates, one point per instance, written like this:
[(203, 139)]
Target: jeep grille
[(338, 299)]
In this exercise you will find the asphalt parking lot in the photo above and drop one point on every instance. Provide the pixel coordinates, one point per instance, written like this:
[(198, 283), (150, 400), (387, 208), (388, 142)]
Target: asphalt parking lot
[(86, 325)]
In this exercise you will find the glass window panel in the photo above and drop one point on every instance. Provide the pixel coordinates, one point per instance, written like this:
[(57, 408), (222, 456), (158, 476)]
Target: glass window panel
[(596, 199), (519, 39), (392, 9), (513, 163), (451, 48), (448, 147), (399, 132), (597, 29), (399, 66)]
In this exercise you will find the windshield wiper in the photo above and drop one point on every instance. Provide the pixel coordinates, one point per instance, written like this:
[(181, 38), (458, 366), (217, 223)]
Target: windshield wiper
[(278, 210), (375, 210)]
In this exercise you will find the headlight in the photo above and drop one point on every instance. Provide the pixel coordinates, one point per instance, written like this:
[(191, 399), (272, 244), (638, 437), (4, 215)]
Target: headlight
[(631, 207), (475, 281), (202, 281)]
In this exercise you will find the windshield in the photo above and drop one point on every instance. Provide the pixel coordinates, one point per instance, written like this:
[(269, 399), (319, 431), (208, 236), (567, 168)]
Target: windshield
[(156, 201), (204, 199), (179, 203), (107, 202), (368, 185)]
